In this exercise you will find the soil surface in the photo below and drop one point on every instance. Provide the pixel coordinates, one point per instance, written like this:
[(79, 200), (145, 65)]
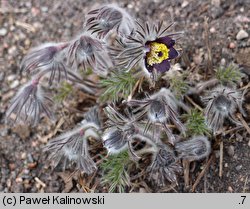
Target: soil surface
[(27, 23)]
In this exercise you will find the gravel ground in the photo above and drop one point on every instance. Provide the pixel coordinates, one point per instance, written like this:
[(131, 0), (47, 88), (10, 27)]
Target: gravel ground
[(25, 24)]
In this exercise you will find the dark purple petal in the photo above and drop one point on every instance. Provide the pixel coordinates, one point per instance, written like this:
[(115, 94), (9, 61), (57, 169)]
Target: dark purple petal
[(172, 54), (169, 42), (162, 67)]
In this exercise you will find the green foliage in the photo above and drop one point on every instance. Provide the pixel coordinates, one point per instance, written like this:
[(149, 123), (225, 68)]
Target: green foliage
[(230, 74), (195, 123), (63, 92), (178, 85), (117, 85), (115, 171)]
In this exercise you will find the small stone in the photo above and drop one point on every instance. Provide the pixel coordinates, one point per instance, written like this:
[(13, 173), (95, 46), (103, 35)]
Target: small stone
[(212, 30), (14, 84), (230, 150), (8, 183), (239, 167), (232, 45), (3, 31), (184, 4), (23, 155), (12, 50), (241, 34), (130, 6), (226, 165), (223, 62), (26, 171), (11, 77), (27, 42), (44, 9), (230, 189), (248, 143), (19, 180)]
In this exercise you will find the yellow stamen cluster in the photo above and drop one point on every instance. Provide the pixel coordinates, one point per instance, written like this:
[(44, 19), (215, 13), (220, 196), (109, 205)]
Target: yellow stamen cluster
[(158, 53)]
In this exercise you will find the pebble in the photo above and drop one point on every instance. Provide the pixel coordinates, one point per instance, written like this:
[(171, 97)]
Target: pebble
[(12, 50), (14, 84), (3, 31), (23, 156), (212, 30), (239, 167), (248, 143), (19, 180), (226, 165), (230, 189), (184, 4), (230, 150), (223, 62), (44, 9), (232, 45), (241, 34), (11, 77)]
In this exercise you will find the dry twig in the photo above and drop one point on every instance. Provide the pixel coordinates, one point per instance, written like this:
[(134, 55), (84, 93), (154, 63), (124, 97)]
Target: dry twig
[(202, 173), (221, 159)]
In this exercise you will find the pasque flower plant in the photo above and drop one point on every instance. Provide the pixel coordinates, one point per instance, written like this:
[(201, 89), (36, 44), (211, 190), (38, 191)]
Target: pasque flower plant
[(121, 51)]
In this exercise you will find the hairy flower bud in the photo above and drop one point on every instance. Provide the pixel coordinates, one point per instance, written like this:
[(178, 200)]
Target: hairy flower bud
[(193, 149), (29, 104), (72, 147), (164, 166), (107, 18), (46, 59), (160, 107), (89, 52), (222, 103)]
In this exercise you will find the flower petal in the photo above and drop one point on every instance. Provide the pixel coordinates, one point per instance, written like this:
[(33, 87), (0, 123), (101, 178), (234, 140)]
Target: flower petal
[(172, 54), (162, 67), (169, 42)]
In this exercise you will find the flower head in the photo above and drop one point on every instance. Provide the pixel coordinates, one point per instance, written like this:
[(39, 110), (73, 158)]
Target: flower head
[(107, 18), (46, 59), (119, 132), (160, 107), (29, 104), (114, 140), (89, 52), (72, 147), (222, 103), (194, 149), (150, 46), (164, 166)]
